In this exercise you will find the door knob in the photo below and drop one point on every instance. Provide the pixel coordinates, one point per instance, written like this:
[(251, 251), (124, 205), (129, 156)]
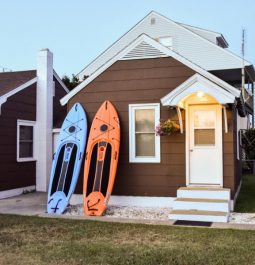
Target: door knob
[(191, 150)]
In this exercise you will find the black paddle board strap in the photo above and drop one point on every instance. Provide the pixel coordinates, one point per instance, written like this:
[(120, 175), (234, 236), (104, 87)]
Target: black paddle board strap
[(56, 208), (89, 207)]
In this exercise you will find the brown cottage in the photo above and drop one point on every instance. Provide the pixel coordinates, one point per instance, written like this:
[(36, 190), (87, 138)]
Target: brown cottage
[(22, 100), (162, 70)]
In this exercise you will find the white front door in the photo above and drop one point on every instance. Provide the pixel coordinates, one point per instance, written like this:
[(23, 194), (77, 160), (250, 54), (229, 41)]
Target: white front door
[(205, 145)]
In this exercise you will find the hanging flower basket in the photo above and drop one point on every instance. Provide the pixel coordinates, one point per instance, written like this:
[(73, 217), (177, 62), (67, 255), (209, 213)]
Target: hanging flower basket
[(166, 127)]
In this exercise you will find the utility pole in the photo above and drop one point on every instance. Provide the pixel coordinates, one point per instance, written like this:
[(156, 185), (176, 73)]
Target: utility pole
[(243, 71)]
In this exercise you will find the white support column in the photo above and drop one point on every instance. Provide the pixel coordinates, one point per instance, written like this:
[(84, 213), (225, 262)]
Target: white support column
[(44, 118)]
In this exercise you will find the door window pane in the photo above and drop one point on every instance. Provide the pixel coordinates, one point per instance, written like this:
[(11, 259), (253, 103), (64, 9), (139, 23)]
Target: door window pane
[(145, 144), (204, 137), (144, 120), (204, 118)]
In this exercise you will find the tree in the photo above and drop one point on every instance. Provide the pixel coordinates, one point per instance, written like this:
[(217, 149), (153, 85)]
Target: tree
[(71, 83)]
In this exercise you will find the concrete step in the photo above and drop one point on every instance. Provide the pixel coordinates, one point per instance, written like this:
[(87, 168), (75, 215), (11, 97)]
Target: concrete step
[(195, 215), (203, 193), (201, 204)]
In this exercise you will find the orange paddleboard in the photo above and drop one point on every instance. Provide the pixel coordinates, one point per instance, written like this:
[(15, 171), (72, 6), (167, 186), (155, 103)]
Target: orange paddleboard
[(101, 159)]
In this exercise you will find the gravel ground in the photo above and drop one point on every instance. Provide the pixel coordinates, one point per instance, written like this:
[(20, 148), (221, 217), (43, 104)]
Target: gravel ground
[(149, 213), (146, 213), (242, 218)]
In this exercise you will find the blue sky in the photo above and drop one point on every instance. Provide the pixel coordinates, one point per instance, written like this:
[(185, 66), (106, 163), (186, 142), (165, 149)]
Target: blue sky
[(77, 31)]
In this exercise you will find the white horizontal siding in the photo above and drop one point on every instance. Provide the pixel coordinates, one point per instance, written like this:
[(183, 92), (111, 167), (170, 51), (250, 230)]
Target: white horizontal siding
[(185, 42), (207, 34)]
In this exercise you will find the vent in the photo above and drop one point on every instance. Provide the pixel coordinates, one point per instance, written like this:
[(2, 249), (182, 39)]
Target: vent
[(144, 50), (153, 21)]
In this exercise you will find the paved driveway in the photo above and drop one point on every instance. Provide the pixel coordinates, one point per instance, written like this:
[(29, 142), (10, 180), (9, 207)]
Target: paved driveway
[(25, 204)]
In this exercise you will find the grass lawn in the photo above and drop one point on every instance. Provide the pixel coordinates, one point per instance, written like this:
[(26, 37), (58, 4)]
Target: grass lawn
[(34, 240), (246, 199)]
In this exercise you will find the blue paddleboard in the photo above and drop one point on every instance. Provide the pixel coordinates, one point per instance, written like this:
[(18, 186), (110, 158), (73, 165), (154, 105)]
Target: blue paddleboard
[(67, 159)]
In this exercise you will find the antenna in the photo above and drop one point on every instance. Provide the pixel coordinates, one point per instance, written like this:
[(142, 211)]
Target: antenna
[(5, 69), (243, 52)]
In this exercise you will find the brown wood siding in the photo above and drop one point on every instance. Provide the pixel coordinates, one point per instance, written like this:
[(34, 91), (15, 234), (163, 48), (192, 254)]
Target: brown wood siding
[(146, 81), (231, 165), (140, 81), (59, 112), (19, 106)]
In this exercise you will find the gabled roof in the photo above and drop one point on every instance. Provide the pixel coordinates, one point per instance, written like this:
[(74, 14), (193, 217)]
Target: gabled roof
[(12, 80), (186, 42), (164, 52), (194, 84)]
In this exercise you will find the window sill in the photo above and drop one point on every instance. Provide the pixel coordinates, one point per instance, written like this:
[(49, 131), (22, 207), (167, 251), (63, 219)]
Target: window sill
[(26, 159), (144, 160)]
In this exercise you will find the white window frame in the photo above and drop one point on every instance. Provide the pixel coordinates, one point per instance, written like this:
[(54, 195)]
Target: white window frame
[(25, 123), (132, 147)]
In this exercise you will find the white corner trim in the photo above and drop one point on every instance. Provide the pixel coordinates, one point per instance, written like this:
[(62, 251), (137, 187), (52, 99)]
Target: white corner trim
[(233, 202), (157, 45), (2, 101), (25, 123), (225, 118), (14, 91), (199, 83), (132, 143), (60, 81), (56, 130), (132, 201), (15, 192)]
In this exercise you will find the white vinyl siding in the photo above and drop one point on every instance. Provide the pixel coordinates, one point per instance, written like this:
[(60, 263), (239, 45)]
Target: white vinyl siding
[(187, 43), (25, 141), (144, 145), (166, 41)]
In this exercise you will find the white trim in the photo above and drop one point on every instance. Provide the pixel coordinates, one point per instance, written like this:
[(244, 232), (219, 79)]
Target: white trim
[(14, 91), (131, 201), (30, 124), (2, 101), (60, 81), (225, 119), (15, 192), (160, 47), (233, 202), (56, 130), (199, 83), (132, 158)]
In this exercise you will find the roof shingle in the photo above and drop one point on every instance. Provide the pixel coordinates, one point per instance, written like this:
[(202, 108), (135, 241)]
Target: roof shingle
[(12, 80)]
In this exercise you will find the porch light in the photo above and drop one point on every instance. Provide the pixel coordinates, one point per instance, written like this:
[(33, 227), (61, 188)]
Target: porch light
[(200, 94)]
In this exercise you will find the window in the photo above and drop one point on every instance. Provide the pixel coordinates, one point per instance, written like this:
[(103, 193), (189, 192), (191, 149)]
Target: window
[(25, 141), (167, 41), (144, 145), (204, 127)]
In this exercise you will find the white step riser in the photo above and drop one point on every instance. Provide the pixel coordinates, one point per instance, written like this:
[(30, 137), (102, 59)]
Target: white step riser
[(202, 218), (202, 194), (203, 206)]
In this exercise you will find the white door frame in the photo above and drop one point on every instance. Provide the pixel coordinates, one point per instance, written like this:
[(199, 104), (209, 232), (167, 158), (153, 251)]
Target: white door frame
[(187, 142)]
